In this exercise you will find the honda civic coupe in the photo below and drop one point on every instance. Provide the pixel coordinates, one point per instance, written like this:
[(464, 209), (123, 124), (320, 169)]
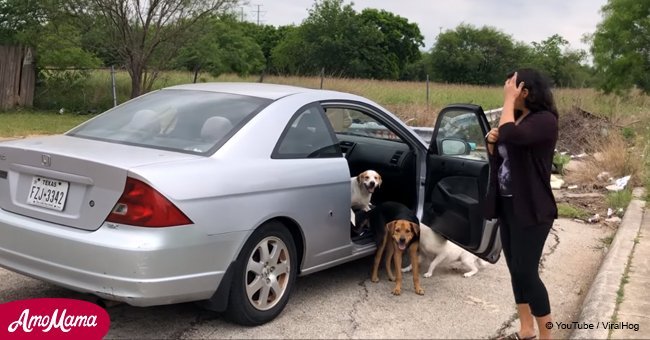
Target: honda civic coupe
[(224, 193)]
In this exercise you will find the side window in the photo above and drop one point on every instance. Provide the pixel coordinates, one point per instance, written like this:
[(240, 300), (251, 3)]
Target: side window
[(353, 122), (307, 136), (460, 134)]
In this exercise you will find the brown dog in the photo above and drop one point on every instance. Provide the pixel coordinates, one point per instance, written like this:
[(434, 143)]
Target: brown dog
[(399, 235)]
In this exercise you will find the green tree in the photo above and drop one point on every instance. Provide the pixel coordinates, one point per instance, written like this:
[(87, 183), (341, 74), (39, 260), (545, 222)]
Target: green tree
[(267, 37), (45, 26), (563, 65), (19, 16), (621, 46), (474, 56), (148, 34), (220, 45), (339, 40), (418, 70), (401, 40)]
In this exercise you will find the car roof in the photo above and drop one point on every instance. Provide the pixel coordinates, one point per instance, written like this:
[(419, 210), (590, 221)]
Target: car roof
[(261, 90)]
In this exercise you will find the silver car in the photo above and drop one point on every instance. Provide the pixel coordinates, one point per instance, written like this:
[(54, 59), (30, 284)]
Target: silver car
[(224, 193)]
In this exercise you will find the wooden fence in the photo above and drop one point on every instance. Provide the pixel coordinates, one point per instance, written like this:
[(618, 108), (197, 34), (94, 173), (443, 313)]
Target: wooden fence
[(17, 77)]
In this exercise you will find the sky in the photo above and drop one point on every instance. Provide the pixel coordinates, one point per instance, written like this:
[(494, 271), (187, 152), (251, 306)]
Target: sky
[(524, 20)]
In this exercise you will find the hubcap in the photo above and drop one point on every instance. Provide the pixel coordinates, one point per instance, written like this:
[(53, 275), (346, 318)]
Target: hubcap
[(267, 273)]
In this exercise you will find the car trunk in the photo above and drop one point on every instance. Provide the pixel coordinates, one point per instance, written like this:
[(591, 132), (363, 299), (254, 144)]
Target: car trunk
[(68, 180)]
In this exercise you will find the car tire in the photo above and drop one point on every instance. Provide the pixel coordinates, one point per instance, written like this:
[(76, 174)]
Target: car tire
[(264, 274)]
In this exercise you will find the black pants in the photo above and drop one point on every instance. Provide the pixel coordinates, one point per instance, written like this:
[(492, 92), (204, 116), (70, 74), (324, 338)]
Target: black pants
[(522, 247)]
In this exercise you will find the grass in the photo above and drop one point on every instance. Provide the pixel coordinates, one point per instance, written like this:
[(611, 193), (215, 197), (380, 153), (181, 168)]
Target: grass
[(405, 98), (619, 199), (569, 211), (620, 293), (607, 240), (25, 123)]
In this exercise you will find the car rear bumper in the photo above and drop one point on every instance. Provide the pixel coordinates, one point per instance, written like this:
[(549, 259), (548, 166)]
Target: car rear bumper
[(139, 266)]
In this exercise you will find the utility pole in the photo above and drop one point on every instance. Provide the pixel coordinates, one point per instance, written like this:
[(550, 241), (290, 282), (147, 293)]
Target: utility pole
[(242, 14), (258, 11)]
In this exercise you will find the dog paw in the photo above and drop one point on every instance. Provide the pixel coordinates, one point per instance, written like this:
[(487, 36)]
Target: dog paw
[(468, 274), (391, 279), (397, 291), (374, 279), (419, 291), (427, 274)]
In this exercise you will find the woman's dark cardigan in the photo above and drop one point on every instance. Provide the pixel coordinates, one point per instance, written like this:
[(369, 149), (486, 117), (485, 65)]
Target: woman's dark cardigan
[(530, 146)]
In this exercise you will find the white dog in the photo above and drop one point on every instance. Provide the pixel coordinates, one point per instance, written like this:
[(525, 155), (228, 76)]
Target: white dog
[(433, 245), (363, 186)]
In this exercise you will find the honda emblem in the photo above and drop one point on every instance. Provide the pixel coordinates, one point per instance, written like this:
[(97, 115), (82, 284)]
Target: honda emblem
[(46, 160)]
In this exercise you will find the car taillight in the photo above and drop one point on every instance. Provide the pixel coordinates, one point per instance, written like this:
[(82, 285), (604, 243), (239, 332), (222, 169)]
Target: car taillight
[(141, 205)]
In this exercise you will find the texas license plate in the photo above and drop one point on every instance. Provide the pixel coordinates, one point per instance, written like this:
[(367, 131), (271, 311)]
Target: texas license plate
[(48, 193)]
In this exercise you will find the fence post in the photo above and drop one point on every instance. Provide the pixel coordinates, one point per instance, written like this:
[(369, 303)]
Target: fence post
[(113, 85), (322, 75), (427, 92)]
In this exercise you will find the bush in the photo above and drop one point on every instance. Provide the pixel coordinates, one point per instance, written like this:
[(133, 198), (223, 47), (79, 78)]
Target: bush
[(560, 161)]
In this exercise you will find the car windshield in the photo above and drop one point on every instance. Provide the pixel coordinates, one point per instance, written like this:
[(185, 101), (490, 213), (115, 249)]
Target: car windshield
[(179, 120)]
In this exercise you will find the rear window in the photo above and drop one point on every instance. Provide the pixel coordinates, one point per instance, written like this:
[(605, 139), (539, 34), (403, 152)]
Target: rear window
[(179, 120)]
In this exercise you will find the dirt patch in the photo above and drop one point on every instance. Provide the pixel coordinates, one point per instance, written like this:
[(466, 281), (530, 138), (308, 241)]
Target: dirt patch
[(580, 131), (592, 203)]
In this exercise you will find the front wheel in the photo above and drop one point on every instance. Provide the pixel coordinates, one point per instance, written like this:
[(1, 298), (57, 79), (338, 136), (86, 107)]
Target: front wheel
[(265, 272)]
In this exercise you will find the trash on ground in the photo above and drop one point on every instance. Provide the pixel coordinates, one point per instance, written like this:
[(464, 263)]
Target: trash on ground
[(572, 187), (619, 184), (556, 182), (610, 212), (579, 155), (594, 219)]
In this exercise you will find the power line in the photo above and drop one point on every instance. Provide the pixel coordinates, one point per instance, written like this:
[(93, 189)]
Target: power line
[(258, 12)]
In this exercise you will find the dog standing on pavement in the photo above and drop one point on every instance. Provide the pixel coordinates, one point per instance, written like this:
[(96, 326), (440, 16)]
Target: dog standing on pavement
[(435, 246), (397, 230)]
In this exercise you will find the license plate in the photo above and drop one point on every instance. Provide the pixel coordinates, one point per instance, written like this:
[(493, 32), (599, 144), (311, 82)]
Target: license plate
[(48, 193)]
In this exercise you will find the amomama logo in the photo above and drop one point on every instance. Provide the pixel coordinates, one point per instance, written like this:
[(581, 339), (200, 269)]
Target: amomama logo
[(52, 319)]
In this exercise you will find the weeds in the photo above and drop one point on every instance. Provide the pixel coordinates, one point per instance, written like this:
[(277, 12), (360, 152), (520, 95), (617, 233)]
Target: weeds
[(560, 161), (613, 156), (569, 211), (607, 240), (405, 98), (619, 199)]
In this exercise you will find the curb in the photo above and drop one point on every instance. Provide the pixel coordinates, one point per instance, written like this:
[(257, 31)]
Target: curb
[(600, 302)]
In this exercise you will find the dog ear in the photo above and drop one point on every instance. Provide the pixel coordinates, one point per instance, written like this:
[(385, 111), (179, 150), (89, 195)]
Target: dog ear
[(415, 227), (390, 226), (360, 177)]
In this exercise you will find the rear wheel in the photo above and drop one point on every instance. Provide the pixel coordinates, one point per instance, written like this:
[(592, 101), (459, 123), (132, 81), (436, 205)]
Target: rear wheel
[(265, 272)]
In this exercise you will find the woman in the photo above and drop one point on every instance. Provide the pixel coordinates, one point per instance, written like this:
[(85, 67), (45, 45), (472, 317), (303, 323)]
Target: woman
[(521, 155)]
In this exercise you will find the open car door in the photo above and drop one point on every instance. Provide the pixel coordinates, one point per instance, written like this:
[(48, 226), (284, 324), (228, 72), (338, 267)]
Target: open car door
[(457, 181)]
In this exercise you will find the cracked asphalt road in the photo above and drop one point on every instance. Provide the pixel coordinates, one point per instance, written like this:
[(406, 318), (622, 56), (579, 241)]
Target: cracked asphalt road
[(342, 302)]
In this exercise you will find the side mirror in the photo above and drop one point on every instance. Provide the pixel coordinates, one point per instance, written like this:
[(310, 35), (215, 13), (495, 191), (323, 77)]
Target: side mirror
[(454, 147)]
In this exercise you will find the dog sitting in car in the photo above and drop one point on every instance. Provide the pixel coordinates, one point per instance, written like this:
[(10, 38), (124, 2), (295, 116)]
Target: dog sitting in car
[(362, 187)]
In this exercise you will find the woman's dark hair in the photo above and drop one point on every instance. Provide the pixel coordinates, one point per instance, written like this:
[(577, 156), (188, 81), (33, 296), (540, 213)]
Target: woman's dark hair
[(540, 97)]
